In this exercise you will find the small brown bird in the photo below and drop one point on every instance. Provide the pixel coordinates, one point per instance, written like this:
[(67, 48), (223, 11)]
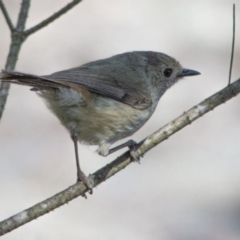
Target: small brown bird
[(107, 100)]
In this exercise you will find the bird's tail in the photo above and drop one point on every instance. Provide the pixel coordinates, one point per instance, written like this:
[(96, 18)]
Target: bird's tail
[(34, 81)]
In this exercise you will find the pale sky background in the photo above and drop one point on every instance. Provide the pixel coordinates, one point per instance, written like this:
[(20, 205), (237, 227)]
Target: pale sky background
[(188, 187)]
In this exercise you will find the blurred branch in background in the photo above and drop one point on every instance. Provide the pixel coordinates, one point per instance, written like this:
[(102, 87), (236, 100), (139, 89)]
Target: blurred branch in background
[(18, 36), (233, 44), (121, 162)]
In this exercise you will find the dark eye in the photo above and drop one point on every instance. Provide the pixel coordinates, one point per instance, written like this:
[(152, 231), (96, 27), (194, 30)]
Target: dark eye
[(167, 72)]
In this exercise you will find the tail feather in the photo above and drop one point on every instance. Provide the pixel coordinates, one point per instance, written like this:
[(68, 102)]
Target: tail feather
[(37, 82)]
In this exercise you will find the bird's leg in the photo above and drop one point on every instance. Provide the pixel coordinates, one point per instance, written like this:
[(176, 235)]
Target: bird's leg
[(80, 174), (131, 144)]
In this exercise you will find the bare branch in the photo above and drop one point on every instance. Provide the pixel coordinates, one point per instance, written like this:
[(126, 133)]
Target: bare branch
[(121, 162), (23, 14), (6, 15), (4, 89), (52, 18), (233, 43)]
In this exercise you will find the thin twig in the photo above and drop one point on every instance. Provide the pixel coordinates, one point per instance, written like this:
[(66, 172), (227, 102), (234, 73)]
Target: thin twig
[(121, 162), (52, 18), (23, 14), (6, 16), (233, 43)]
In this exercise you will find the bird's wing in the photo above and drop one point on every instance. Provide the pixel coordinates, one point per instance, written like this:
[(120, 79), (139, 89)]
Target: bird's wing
[(127, 87), (118, 80)]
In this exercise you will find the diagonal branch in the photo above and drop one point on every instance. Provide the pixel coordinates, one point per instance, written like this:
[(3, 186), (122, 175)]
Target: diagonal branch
[(6, 16), (52, 18), (121, 162)]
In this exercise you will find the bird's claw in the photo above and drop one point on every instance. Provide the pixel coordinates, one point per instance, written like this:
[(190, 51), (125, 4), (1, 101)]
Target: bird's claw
[(132, 150), (134, 157), (81, 177)]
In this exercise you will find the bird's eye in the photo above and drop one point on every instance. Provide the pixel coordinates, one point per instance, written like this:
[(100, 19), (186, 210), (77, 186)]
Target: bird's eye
[(167, 72)]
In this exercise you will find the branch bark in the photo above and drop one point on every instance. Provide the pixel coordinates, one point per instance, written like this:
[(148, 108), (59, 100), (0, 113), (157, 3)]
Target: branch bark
[(121, 162)]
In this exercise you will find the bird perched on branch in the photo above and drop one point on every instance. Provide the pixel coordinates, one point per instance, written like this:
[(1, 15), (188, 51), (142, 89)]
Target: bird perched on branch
[(107, 100)]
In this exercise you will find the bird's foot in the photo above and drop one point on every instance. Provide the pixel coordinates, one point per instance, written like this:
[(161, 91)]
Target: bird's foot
[(132, 150), (81, 177)]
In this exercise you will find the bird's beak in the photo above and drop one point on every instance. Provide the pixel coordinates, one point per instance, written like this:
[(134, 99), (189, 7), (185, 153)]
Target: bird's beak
[(188, 72)]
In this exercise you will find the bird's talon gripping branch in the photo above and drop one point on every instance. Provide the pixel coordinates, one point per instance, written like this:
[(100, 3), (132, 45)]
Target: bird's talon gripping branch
[(84, 179), (134, 157), (132, 150)]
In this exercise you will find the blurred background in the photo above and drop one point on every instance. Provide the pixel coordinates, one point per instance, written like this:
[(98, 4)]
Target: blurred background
[(188, 187)]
